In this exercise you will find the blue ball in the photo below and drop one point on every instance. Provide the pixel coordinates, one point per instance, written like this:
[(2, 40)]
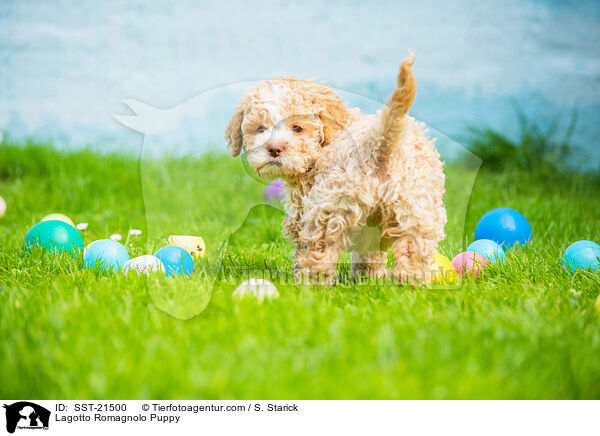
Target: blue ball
[(582, 254), (488, 249), (176, 260), (505, 226), (105, 254)]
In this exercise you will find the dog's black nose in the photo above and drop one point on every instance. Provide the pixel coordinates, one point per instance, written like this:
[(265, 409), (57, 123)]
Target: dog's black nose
[(275, 150)]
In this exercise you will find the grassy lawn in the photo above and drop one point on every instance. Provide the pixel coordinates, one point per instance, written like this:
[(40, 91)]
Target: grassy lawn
[(527, 329)]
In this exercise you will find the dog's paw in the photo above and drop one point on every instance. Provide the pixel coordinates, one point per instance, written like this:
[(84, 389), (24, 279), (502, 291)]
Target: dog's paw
[(315, 278)]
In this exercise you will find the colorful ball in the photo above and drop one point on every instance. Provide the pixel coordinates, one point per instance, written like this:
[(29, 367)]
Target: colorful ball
[(106, 255), (274, 192), (58, 217), (144, 265), (442, 270), (176, 260), (582, 254), (54, 236), (469, 262), (488, 249), (505, 226)]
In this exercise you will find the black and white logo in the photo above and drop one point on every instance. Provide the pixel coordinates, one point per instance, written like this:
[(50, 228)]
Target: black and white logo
[(26, 415)]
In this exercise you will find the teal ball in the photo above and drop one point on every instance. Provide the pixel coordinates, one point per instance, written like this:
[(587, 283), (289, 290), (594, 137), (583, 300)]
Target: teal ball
[(582, 254), (106, 255), (54, 236), (580, 244)]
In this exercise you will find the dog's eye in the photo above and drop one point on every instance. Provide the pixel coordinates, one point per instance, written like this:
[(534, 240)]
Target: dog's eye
[(297, 129), (261, 129)]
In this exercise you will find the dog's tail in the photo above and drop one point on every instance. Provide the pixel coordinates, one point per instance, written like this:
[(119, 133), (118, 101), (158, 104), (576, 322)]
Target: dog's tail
[(396, 109)]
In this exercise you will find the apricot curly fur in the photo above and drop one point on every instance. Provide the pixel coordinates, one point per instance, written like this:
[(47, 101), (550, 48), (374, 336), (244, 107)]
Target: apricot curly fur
[(347, 174)]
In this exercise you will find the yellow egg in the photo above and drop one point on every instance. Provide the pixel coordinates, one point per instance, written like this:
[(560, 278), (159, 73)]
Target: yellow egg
[(192, 244), (442, 270), (58, 217), (597, 305)]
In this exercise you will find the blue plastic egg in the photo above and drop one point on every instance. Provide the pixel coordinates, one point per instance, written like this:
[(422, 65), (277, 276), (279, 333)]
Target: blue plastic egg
[(505, 226), (582, 254), (106, 255), (176, 260), (488, 249), (580, 244)]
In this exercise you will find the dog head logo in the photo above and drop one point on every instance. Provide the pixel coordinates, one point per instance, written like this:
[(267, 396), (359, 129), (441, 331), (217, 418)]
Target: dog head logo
[(26, 415)]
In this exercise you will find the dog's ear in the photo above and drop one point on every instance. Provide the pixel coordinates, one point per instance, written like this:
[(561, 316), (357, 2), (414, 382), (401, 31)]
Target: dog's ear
[(233, 132), (332, 112)]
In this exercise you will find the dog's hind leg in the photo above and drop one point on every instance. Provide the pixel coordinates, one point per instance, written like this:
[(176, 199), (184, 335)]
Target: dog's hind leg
[(413, 253)]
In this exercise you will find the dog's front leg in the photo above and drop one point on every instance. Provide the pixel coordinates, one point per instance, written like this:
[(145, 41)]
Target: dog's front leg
[(320, 243), (316, 266)]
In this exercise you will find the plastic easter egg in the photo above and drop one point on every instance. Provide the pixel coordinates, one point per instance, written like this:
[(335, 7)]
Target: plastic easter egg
[(469, 262), (192, 244), (176, 260), (580, 244), (54, 236), (582, 254), (274, 192), (505, 226), (2, 207), (89, 245), (257, 288), (488, 249), (58, 217), (442, 270), (106, 255), (144, 265)]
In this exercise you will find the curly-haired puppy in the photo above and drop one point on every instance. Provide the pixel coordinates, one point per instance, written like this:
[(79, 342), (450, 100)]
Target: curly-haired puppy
[(345, 171)]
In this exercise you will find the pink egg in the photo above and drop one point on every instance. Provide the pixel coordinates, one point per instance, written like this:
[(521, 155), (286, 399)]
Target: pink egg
[(469, 262)]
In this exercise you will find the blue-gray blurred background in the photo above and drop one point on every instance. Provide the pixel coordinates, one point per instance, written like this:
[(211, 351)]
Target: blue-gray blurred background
[(66, 65)]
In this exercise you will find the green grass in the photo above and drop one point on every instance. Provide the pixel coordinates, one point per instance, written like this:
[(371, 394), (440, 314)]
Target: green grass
[(526, 330)]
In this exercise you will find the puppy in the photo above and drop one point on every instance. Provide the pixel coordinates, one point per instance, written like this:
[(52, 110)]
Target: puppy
[(346, 172)]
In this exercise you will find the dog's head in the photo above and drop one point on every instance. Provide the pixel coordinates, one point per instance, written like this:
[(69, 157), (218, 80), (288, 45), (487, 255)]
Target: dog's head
[(283, 125)]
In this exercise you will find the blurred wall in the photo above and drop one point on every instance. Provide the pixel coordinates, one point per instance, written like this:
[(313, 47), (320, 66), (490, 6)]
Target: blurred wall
[(65, 65)]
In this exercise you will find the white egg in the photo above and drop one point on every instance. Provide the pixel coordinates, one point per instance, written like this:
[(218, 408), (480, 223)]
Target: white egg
[(144, 264), (258, 288), (2, 207)]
